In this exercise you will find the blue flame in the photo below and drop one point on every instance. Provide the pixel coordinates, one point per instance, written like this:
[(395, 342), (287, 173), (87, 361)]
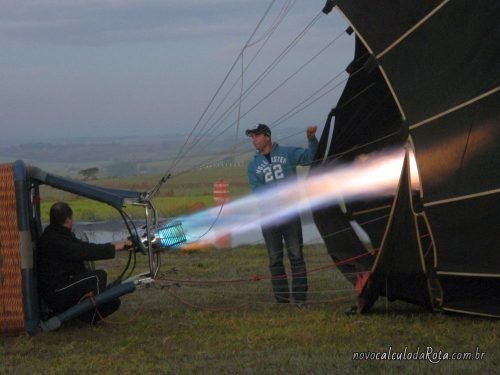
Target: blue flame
[(171, 235)]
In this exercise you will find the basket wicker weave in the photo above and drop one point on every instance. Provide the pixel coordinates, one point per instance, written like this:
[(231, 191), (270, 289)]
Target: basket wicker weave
[(11, 293)]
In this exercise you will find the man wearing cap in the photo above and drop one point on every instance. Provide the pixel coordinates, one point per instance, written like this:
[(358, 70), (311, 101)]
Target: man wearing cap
[(273, 164), (64, 280)]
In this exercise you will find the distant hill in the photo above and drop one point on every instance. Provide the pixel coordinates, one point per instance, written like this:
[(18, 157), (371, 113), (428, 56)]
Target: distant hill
[(123, 156), (96, 150), (113, 157)]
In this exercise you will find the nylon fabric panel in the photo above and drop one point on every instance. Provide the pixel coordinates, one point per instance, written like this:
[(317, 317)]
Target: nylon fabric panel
[(467, 235), (342, 243), (471, 294), (374, 224), (366, 110), (447, 68), (398, 271), (432, 70), (383, 21), (459, 154)]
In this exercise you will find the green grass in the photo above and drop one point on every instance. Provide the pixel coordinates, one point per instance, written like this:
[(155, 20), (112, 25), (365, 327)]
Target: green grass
[(89, 210), (208, 313), (196, 182), (178, 196), (213, 312)]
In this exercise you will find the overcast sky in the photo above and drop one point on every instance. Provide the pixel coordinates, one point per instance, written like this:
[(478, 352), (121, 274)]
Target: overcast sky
[(71, 68)]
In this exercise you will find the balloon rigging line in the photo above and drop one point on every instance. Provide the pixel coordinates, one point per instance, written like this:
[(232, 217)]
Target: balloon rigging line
[(257, 278), (293, 75), (266, 36), (239, 102), (278, 121), (233, 153), (214, 221), (270, 32), (289, 4), (241, 56), (243, 69), (243, 305), (287, 114), (226, 114), (219, 88), (255, 83), (275, 63), (259, 79), (291, 188), (340, 154), (284, 117), (292, 112), (297, 109)]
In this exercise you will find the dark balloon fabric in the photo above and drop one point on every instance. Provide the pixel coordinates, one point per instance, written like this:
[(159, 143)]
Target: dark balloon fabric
[(426, 77)]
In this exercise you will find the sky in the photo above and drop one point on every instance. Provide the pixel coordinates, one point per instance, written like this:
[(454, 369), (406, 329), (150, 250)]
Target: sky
[(110, 68)]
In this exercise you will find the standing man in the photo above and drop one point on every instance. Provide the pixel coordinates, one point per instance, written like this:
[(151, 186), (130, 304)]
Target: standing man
[(63, 278), (273, 164)]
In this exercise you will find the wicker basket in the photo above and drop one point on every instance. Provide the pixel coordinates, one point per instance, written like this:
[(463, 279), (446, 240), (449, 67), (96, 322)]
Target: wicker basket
[(11, 291)]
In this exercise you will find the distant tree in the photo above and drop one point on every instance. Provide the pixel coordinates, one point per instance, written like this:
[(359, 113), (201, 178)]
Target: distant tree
[(89, 173)]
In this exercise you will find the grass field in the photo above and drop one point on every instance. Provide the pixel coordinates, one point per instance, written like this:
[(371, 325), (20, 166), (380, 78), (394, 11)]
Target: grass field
[(178, 196), (212, 312)]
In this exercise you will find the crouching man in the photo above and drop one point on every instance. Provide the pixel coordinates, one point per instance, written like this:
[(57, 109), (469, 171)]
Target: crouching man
[(63, 278)]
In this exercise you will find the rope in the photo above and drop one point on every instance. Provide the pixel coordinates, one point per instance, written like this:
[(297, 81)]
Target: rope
[(176, 160), (256, 82), (254, 278), (311, 99), (214, 309), (226, 114), (247, 304), (91, 297), (237, 104)]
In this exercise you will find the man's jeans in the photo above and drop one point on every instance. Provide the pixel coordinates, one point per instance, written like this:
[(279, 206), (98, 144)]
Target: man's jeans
[(291, 232)]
